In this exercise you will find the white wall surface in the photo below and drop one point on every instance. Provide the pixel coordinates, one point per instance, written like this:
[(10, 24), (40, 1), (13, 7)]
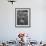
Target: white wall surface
[(8, 31)]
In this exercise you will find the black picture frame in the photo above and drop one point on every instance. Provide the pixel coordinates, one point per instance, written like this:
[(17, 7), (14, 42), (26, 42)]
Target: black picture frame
[(22, 17)]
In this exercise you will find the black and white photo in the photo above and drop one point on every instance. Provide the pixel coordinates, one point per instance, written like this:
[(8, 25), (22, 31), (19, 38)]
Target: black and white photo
[(22, 16)]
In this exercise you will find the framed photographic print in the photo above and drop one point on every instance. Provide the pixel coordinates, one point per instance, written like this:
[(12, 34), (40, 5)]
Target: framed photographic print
[(22, 17)]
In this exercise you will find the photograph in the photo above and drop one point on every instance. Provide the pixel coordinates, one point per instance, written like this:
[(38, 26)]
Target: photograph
[(22, 16)]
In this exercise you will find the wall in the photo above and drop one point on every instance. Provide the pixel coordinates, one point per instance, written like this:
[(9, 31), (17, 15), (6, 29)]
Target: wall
[(8, 31)]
